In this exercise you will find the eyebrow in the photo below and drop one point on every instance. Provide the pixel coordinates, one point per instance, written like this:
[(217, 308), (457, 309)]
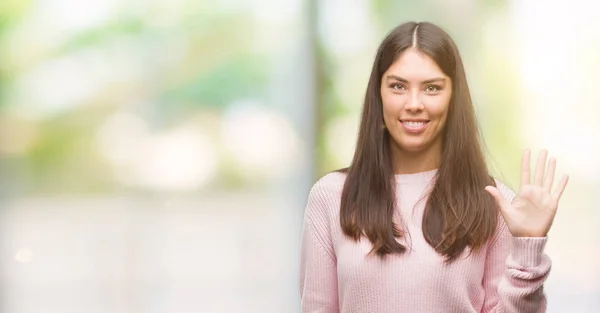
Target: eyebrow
[(428, 81)]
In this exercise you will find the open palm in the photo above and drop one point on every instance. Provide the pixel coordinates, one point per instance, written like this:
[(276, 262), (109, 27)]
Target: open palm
[(532, 212)]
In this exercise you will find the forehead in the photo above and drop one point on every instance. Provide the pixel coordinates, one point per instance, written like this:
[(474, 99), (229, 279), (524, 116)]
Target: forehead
[(415, 65)]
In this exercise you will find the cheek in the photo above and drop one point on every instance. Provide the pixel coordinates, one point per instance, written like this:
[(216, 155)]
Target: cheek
[(391, 106), (439, 113), (439, 109)]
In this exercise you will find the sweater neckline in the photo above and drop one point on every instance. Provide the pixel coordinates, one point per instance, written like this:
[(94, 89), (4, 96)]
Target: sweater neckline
[(425, 176)]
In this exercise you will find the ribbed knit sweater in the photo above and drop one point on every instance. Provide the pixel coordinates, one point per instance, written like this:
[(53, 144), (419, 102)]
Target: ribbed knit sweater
[(337, 275)]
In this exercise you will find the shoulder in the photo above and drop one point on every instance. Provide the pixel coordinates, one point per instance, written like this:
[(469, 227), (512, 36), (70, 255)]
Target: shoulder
[(332, 182), (325, 195)]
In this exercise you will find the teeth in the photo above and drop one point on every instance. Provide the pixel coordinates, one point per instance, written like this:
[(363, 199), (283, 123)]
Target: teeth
[(414, 124)]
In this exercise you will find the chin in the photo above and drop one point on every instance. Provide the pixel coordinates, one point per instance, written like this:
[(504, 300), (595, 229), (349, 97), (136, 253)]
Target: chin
[(411, 147)]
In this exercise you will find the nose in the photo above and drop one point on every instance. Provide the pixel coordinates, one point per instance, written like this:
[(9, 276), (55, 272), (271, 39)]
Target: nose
[(414, 103)]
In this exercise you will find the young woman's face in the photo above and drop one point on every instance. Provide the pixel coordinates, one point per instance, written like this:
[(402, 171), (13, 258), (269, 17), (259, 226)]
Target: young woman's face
[(416, 95)]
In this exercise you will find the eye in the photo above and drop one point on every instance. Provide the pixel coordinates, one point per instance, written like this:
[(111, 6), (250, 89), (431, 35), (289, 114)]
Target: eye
[(433, 88), (398, 87)]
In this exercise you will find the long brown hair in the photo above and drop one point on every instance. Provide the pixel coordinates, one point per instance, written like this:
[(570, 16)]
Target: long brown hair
[(458, 212)]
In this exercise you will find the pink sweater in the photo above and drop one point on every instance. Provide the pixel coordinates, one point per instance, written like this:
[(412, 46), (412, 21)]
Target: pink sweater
[(506, 276)]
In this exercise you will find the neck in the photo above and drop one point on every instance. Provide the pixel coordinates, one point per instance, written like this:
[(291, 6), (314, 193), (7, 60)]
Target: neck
[(406, 162)]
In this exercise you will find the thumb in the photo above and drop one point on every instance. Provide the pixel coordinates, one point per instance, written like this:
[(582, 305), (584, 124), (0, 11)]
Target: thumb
[(502, 203)]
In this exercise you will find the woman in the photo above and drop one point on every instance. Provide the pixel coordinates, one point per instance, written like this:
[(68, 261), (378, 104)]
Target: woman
[(416, 223)]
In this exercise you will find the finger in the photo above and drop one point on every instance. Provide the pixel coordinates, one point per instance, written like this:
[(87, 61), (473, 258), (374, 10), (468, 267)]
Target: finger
[(525, 168), (561, 187), (502, 203), (540, 168), (549, 179)]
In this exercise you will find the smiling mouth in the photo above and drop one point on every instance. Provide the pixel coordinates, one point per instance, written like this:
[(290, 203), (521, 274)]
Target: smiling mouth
[(414, 126), (414, 123)]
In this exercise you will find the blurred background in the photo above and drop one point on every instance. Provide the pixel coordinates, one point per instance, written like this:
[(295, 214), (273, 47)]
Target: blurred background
[(156, 155)]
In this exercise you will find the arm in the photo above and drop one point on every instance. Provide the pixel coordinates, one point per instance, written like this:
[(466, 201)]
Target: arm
[(318, 270), (515, 269), (516, 266)]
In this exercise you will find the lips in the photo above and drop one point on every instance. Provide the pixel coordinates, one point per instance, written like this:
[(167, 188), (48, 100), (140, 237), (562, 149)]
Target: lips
[(414, 123), (414, 126)]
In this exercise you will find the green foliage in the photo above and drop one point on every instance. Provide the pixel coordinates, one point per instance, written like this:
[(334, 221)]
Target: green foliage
[(11, 11), (63, 158), (241, 77), (102, 34), (390, 13)]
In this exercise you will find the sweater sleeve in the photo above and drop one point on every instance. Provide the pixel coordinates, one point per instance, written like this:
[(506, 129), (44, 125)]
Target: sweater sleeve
[(318, 269), (515, 270)]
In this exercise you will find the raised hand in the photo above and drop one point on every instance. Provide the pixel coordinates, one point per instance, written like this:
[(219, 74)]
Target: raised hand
[(532, 212)]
